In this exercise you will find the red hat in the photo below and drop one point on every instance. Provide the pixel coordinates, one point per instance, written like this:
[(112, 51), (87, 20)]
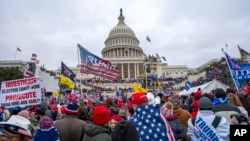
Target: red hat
[(101, 115), (117, 118), (120, 104), (139, 98), (129, 105)]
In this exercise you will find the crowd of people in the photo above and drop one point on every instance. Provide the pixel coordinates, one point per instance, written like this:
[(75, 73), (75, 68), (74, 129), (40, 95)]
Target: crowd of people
[(140, 117)]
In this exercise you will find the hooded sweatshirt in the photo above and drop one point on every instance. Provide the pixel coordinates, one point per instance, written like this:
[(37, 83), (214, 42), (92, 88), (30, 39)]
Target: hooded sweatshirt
[(125, 131), (96, 133)]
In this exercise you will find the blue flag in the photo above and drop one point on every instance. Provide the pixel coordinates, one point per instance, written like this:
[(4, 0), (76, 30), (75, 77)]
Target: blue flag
[(188, 85), (151, 125)]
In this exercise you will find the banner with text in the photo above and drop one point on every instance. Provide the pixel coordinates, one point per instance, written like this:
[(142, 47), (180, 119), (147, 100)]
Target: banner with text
[(20, 92)]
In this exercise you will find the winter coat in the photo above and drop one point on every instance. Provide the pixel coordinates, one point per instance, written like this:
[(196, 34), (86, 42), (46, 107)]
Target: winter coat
[(225, 110), (70, 128), (204, 130), (96, 133), (177, 127)]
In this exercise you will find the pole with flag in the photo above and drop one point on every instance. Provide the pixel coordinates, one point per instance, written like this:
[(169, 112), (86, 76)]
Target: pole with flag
[(230, 67), (149, 40), (17, 50)]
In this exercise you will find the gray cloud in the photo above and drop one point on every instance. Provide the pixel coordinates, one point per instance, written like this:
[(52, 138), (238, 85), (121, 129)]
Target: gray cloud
[(185, 32)]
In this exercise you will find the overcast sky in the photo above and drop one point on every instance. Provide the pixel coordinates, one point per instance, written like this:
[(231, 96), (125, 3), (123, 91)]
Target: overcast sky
[(186, 32)]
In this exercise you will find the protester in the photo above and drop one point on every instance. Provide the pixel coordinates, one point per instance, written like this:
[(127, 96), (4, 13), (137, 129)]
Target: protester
[(97, 131), (43, 106), (183, 115), (245, 102), (221, 105), (206, 125), (16, 128), (122, 113), (125, 131), (195, 104), (113, 121), (46, 130), (234, 100), (175, 124), (148, 120), (71, 128)]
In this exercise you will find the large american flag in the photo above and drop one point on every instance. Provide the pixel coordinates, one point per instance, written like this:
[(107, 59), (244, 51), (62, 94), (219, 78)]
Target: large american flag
[(92, 64), (151, 125), (231, 64)]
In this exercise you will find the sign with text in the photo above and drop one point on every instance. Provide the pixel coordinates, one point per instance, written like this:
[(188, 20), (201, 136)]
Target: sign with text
[(20, 92)]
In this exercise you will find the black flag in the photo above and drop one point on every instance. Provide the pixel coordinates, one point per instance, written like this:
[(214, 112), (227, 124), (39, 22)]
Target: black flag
[(67, 72)]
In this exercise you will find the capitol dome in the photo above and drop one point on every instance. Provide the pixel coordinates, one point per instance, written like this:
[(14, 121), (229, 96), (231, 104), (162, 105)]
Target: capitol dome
[(121, 42)]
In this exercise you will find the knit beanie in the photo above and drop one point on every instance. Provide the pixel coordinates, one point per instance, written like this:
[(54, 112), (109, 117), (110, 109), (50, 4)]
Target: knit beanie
[(24, 113), (167, 109), (72, 109), (205, 103), (101, 115), (45, 122)]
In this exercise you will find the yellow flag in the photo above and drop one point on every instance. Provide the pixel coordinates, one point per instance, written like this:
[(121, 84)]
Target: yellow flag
[(159, 85), (66, 81), (55, 94), (138, 88)]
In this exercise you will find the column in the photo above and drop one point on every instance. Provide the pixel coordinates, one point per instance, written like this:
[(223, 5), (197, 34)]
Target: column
[(122, 71), (135, 70), (128, 71)]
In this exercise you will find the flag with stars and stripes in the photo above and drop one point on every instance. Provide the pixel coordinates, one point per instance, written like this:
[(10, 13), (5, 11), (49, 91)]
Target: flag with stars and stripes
[(151, 125)]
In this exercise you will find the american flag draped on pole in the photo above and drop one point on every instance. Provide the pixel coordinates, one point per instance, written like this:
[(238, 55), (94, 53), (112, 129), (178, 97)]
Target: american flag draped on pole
[(151, 125), (92, 64), (233, 68), (158, 56)]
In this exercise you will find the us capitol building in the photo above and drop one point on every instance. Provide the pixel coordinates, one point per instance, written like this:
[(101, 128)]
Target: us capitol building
[(122, 48)]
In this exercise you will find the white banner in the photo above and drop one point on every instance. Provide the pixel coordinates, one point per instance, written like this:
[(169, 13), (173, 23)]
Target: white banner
[(20, 92)]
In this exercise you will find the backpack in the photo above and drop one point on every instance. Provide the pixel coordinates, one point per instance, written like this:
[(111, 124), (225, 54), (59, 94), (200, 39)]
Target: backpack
[(215, 123)]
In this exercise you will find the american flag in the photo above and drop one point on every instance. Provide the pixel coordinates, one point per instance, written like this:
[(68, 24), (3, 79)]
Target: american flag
[(33, 57), (151, 125), (144, 55), (231, 64), (157, 56), (93, 64)]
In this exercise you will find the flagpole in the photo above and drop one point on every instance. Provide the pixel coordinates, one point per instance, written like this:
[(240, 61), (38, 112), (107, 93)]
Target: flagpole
[(230, 71), (78, 58), (15, 54), (145, 65)]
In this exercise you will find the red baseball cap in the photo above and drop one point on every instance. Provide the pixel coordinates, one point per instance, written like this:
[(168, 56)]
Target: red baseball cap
[(139, 98)]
